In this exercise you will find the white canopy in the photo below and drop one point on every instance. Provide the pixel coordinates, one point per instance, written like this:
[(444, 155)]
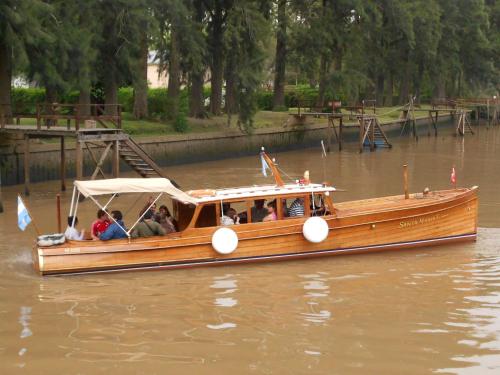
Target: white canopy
[(132, 185)]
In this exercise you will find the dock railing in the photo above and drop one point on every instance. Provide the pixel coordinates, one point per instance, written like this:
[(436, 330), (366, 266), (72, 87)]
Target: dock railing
[(73, 116), (49, 114)]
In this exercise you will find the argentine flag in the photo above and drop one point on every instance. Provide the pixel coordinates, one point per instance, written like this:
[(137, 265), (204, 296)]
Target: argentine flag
[(23, 217), (264, 165)]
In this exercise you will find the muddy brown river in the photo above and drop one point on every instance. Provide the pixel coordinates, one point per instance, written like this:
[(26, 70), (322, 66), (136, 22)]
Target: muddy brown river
[(420, 311)]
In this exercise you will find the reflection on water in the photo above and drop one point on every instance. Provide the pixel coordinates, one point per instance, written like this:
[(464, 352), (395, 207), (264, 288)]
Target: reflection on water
[(420, 311), (225, 285), (316, 287)]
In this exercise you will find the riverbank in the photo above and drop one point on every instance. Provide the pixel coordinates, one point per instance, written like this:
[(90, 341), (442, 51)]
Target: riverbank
[(173, 149)]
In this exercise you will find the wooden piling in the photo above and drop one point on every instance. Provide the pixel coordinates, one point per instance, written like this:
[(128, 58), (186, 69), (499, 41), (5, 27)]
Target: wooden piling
[(1, 200), (26, 164), (63, 165), (405, 181), (58, 208), (116, 159), (79, 160)]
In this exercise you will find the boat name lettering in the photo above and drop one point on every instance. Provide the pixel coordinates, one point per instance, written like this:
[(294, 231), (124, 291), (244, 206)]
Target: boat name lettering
[(422, 220), (74, 250)]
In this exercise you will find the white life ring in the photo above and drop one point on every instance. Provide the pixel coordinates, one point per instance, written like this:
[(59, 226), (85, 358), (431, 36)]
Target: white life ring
[(315, 229), (224, 241)]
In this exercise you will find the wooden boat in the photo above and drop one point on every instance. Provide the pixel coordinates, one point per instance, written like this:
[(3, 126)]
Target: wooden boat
[(326, 228)]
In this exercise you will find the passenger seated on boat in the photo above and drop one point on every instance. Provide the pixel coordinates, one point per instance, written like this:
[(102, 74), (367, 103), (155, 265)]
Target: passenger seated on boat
[(100, 225), (296, 208), (71, 232), (230, 217), (259, 212), (150, 206), (147, 227), (271, 212), (116, 229), (166, 220)]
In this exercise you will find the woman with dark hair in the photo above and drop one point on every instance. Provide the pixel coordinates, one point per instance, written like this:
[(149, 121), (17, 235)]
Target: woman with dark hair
[(166, 220)]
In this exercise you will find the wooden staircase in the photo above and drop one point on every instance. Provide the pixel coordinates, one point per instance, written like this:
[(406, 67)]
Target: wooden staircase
[(133, 154), (371, 133)]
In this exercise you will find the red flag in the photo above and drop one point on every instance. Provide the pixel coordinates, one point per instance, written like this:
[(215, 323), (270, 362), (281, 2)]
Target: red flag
[(453, 177)]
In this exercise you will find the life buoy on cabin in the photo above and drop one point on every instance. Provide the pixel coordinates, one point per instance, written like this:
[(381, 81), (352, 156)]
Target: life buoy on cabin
[(224, 241), (315, 229)]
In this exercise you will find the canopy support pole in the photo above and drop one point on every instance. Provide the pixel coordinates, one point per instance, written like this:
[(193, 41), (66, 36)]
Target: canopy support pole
[(76, 210), (72, 201)]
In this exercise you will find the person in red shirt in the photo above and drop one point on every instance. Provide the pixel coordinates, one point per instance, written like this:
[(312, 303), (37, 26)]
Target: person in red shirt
[(100, 225)]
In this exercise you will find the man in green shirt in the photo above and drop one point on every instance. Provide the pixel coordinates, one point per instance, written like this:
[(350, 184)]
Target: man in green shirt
[(148, 227)]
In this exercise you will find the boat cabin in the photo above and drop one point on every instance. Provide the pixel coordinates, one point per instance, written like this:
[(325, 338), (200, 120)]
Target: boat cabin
[(211, 204)]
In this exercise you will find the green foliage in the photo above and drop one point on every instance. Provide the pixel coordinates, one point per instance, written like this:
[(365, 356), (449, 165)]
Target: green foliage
[(24, 100), (181, 124), (126, 98)]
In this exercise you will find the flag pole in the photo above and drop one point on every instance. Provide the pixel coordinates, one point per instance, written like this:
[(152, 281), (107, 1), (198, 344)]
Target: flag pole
[(32, 218)]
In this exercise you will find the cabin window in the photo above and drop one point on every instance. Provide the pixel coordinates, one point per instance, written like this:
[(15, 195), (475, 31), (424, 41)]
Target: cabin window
[(235, 211), (318, 205), (296, 206), (183, 213), (207, 217), (260, 211)]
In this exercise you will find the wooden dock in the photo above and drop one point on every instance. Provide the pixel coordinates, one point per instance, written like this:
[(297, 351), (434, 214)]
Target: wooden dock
[(108, 137)]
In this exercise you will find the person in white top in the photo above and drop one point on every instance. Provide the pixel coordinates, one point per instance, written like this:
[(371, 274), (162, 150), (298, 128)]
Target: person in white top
[(71, 232), (230, 217)]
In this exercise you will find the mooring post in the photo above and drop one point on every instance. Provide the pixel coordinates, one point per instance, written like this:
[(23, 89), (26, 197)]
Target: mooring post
[(63, 165), (79, 159), (58, 211), (361, 122), (27, 164), (116, 159), (1, 200), (405, 181), (341, 126)]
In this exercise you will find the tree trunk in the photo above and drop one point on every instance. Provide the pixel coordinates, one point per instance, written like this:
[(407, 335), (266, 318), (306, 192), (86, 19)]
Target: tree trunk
[(84, 102), (439, 87), (279, 75), (196, 98), (174, 75), (404, 90), (217, 65), (418, 82), (141, 78), (231, 82), (110, 91), (5, 83), (389, 91), (379, 94)]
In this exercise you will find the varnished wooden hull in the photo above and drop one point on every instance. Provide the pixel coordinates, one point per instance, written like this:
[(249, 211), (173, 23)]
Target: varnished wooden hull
[(361, 226)]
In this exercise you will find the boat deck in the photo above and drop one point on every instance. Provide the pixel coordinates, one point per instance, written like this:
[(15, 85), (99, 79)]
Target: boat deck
[(395, 202)]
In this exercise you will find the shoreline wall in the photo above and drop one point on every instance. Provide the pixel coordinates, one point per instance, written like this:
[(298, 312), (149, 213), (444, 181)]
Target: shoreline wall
[(181, 149)]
